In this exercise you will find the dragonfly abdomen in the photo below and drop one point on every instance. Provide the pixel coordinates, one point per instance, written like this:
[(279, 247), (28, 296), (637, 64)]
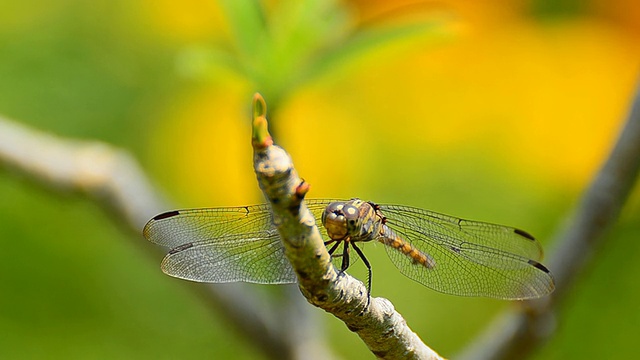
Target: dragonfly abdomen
[(417, 257)]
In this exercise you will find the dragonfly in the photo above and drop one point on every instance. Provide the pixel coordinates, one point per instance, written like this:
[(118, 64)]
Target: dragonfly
[(445, 253)]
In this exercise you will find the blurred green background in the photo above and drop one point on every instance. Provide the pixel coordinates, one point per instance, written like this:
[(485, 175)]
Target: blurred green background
[(499, 111)]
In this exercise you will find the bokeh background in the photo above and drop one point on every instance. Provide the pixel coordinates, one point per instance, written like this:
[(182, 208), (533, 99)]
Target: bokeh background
[(495, 110)]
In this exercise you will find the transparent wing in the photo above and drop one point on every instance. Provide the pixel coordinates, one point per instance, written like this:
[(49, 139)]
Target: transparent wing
[(224, 244), (470, 258), (178, 227), (250, 257)]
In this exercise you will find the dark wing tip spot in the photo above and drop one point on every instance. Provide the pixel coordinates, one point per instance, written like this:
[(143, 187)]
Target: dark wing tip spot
[(539, 266), (167, 214), (523, 234), (180, 248)]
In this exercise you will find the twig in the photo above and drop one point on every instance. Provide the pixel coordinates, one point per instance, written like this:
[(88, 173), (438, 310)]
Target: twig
[(382, 329), (115, 180), (517, 334)]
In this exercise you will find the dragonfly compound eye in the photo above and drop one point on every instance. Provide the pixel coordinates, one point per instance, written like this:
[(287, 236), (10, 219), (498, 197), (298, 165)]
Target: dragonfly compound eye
[(334, 221), (351, 215)]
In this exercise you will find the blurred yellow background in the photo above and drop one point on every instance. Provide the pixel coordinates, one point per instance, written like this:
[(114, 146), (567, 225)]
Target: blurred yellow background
[(499, 111)]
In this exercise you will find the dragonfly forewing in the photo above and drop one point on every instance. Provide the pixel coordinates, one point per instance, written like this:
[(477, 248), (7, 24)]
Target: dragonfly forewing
[(445, 228), (178, 227)]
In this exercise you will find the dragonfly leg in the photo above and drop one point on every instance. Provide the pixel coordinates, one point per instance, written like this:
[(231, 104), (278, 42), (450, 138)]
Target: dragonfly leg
[(345, 257), (366, 263), (334, 247)]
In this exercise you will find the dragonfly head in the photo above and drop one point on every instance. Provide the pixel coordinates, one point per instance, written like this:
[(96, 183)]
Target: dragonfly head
[(339, 218)]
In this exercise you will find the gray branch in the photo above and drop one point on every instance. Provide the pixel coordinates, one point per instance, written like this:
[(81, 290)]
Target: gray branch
[(115, 180), (517, 334), (381, 328)]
